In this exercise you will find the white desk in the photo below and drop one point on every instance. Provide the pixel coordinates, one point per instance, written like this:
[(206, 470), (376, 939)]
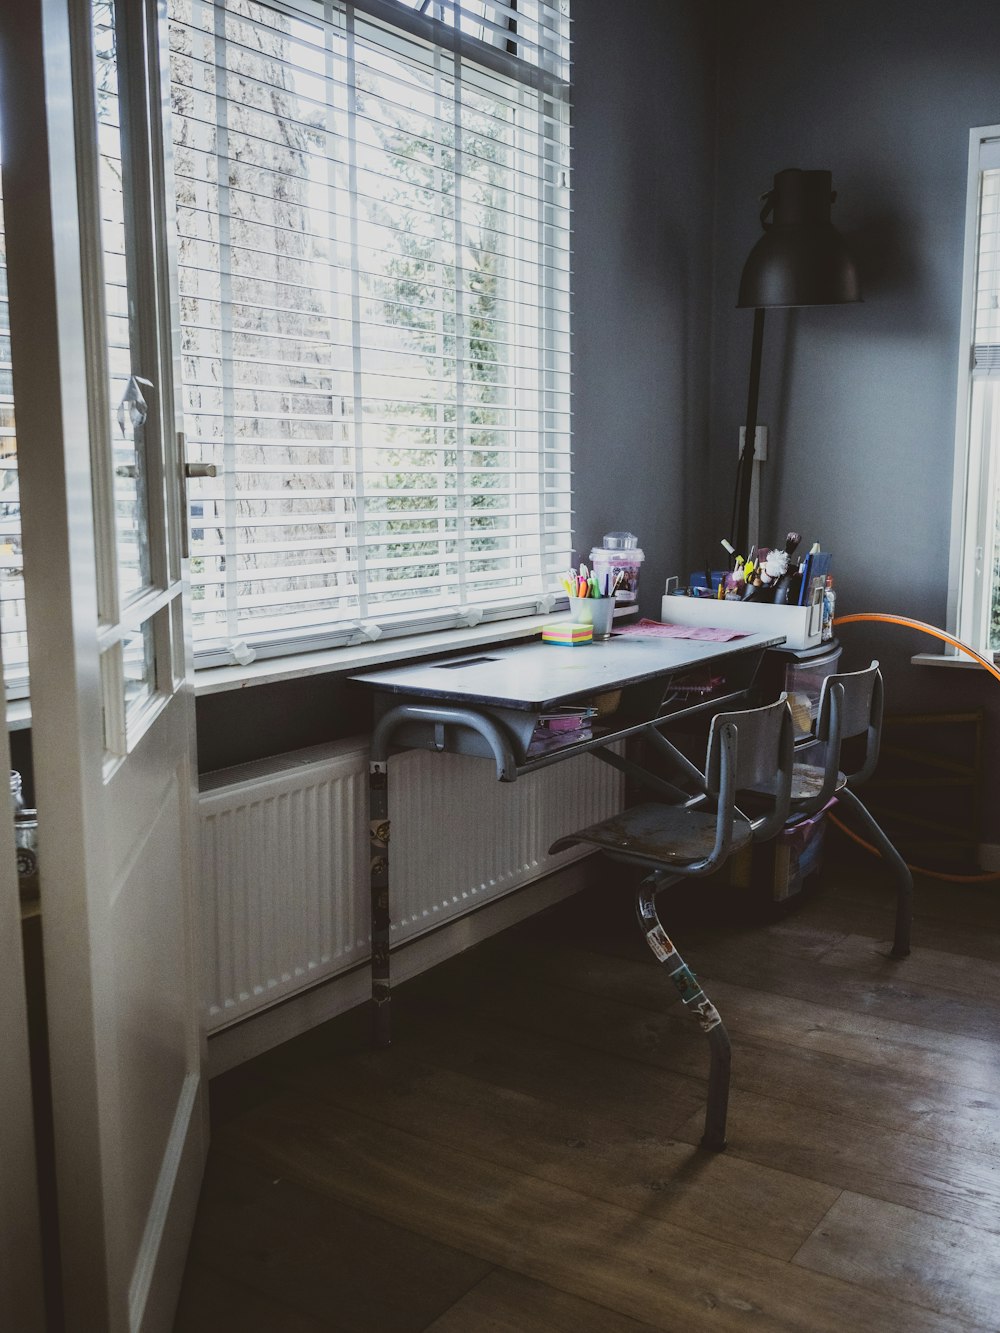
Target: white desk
[(489, 703)]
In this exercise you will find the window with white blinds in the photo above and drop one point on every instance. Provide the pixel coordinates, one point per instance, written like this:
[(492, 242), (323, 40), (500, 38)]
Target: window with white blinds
[(976, 539), (373, 219)]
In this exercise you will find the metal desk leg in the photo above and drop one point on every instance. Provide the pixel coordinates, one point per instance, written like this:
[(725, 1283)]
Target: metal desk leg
[(698, 1002), (378, 834), (378, 812), (904, 880)]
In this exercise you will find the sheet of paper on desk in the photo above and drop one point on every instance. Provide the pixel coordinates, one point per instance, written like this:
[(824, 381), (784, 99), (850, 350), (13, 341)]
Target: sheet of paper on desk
[(656, 629)]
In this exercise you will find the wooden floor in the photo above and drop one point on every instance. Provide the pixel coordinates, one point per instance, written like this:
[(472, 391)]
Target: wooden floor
[(523, 1159)]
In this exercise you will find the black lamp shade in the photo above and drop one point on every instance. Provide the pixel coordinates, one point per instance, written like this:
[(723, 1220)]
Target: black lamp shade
[(801, 259)]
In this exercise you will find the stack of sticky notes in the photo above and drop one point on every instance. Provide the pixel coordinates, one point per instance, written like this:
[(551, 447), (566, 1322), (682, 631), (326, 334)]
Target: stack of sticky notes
[(569, 633)]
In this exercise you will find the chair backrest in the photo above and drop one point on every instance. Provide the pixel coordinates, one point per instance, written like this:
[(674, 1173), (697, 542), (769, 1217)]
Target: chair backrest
[(850, 705), (745, 751)]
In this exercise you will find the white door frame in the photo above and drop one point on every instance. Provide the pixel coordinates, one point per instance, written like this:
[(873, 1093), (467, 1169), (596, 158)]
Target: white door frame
[(122, 1258)]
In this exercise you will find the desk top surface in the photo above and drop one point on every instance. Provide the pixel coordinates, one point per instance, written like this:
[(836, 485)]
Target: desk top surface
[(542, 675)]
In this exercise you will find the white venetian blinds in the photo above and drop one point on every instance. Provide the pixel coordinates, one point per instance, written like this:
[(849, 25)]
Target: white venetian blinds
[(373, 224), (986, 336), (12, 621)]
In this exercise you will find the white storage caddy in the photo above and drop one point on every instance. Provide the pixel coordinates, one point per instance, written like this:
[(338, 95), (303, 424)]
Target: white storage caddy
[(801, 625)]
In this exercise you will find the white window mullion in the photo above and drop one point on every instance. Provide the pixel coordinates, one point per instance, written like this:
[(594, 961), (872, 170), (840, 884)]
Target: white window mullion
[(341, 302), (551, 396), (461, 348), (443, 293), (535, 336), (230, 580), (358, 378), (556, 304)]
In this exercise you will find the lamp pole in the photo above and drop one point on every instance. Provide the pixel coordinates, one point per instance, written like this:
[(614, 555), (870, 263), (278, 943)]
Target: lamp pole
[(744, 481)]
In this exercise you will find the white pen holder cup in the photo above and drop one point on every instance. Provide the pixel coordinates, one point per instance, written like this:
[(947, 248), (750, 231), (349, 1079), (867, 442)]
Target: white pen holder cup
[(596, 611)]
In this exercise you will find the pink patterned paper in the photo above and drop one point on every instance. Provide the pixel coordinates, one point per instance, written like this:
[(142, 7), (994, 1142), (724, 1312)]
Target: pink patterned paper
[(656, 629)]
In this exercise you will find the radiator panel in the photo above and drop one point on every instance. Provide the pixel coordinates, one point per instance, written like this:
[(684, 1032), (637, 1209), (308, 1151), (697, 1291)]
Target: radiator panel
[(285, 858)]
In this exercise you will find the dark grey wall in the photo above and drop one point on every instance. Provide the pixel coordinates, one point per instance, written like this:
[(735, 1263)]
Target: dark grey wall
[(644, 132), (643, 148), (860, 400)]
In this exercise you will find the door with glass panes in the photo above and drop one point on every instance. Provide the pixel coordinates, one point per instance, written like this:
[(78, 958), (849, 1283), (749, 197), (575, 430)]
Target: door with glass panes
[(112, 713)]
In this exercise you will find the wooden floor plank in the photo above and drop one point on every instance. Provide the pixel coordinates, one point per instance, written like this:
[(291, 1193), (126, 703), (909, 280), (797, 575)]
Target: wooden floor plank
[(321, 1259), (960, 918), (976, 977), (960, 989), (616, 1147), (935, 1178), (527, 1146), (507, 1303), (647, 1269), (820, 1023), (888, 989), (213, 1303), (816, 1058), (855, 1123), (948, 1267), (856, 877)]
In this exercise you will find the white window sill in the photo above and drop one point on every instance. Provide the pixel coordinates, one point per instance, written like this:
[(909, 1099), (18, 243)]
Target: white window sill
[(18, 714), (947, 660), (216, 680)]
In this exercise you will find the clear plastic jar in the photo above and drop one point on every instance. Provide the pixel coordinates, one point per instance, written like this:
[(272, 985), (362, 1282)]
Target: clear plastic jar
[(619, 557)]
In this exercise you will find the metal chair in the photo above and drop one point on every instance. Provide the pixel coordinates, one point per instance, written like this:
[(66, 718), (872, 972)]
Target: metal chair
[(850, 706), (745, 752)]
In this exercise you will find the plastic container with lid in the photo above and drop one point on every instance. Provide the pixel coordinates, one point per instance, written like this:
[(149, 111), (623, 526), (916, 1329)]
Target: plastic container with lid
[(619, 554)]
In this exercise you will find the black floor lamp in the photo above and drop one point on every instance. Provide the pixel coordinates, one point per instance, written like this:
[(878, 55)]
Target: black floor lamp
[(800, 260)]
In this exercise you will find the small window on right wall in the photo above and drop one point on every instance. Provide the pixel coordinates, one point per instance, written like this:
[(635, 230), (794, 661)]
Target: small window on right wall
[(974, 593)]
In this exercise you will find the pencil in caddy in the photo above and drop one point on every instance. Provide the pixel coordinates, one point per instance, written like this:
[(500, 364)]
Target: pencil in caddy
[(591, 600)]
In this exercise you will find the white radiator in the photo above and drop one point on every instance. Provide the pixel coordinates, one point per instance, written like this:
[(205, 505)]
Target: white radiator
[(285, 857)]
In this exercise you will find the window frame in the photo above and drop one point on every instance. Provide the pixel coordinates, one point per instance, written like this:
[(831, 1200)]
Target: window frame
[(972, 546)]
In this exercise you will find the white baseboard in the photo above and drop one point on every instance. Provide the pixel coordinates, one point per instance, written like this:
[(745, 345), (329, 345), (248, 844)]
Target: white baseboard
[(234, 1045), (159, 1267)]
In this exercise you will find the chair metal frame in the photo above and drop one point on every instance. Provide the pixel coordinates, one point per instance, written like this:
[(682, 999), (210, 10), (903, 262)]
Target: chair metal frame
[(851, 705), (744, 749)]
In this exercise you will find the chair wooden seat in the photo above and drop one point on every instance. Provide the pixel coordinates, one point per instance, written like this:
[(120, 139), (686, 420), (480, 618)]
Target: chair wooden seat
[(810, 782), (658, 835)]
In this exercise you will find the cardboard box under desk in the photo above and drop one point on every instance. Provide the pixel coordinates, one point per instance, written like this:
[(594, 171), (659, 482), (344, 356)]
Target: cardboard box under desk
[(801, 625)]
